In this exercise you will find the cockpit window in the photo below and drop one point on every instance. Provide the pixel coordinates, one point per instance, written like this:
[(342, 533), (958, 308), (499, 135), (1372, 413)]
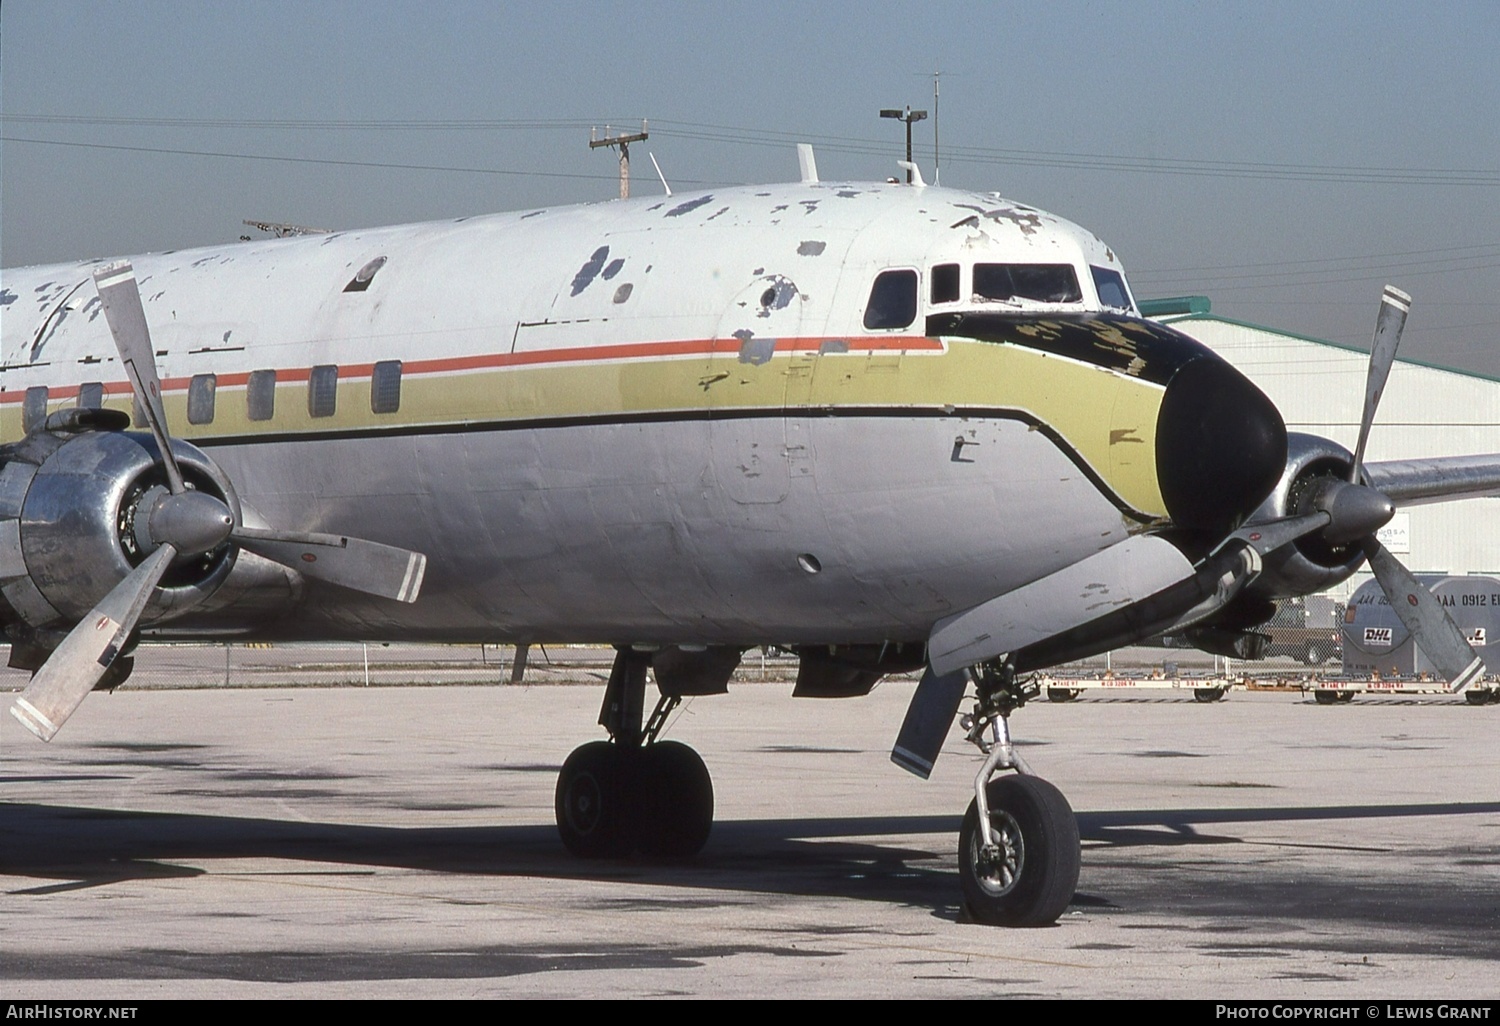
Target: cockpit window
[(1039, 283), (945, 283), (893, 300), (1113, 295)]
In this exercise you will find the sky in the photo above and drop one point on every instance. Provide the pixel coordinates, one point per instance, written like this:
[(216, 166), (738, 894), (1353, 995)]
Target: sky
[(1284, 159)]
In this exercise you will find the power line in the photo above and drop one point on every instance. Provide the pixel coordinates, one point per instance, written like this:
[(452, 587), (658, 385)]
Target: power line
[(326, 160), (706, 132), (1323, 260)]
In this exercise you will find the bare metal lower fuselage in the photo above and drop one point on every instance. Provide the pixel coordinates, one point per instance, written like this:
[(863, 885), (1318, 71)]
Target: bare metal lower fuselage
[(658, 532)]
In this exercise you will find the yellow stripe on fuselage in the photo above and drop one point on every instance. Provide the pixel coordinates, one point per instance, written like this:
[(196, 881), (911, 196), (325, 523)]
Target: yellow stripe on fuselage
[(1107, 417)]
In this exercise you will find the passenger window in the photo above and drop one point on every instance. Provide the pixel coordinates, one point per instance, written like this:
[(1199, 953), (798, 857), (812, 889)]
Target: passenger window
[(34, 408), (322, 391), (1039, 283), (201, 398), (1111, 288), (893, 300), (90, 395), (945, 283), (385, 387), (260, 395)]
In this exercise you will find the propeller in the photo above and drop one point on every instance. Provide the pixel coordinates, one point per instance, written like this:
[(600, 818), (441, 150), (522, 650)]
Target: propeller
[(1143, 582), (1350, 513), (185, 523), (1434, 631)]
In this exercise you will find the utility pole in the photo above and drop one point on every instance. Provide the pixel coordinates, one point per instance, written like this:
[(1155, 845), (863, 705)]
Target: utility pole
[(622, 141), (907, 116)]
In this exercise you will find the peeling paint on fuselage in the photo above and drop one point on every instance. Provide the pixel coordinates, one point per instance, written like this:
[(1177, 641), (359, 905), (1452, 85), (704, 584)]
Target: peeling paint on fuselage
[(509, 550)]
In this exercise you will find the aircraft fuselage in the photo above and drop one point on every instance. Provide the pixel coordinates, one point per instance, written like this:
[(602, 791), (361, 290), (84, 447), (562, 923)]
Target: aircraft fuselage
[(780, 414)]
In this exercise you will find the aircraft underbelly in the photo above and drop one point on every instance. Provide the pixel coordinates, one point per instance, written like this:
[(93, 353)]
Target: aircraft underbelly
[(661, 531)]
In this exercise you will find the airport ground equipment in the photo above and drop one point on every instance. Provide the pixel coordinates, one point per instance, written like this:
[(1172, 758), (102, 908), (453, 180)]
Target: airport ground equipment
[(1065, 687), (1378, 645)]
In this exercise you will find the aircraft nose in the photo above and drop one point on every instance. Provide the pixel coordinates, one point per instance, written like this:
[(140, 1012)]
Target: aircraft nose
[(1220, 446)]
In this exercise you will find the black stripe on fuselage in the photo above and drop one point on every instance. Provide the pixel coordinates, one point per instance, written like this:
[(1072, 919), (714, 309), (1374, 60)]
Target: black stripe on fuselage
[(1140, 348)]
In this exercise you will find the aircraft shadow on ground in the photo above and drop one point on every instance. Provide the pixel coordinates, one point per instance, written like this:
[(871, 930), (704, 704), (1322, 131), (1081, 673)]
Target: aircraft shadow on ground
[(73, 848)]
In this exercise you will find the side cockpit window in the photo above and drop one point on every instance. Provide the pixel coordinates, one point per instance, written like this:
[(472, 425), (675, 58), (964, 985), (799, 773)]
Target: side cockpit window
[(945, 283), (1113, 295), (893, 301), (1037, 283)]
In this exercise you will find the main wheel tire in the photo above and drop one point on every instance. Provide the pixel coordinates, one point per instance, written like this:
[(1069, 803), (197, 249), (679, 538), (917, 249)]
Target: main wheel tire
[(1324, 696), (592, 804), (676, 801), (1034, 878)]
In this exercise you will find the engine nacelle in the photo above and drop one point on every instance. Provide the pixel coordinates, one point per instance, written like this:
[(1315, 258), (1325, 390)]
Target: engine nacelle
[(73, 514), (1311, 563)]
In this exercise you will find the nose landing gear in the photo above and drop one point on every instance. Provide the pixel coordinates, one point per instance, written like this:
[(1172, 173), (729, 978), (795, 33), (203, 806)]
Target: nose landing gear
[(1018, 850)]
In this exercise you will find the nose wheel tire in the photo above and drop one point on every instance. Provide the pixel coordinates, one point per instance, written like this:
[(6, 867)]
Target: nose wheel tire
[(1029, 876)]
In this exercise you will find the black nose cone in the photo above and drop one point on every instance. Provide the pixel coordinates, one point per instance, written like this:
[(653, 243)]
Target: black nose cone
[(1220, 446)]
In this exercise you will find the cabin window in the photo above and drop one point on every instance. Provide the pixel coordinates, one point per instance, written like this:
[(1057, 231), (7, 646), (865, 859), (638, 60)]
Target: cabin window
[(201, 398), (323, 390), (385, 387), (260, 395), (1113, 295), (34, 408), (1038, 283), (893, 300), (945, 283), (90, 395)]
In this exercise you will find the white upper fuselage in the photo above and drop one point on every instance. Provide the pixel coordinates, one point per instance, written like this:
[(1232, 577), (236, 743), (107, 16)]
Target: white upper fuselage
[(632, 420), (453, 289)]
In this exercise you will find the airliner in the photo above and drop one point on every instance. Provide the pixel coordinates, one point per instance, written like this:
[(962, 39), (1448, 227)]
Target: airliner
[(886, 426)]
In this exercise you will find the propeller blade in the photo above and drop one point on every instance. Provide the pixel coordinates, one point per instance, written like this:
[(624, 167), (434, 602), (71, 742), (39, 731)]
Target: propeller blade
[(929, 718), (1116, 577), (366, 566), (1424, 616), (89, 650), (1268, 537), (127, 323), (1394, 306)]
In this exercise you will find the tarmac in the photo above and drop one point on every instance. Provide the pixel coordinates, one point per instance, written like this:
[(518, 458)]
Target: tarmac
[(398, 842)]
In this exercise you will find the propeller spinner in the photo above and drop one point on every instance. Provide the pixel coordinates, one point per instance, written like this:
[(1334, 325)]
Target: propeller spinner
[(185, 523)]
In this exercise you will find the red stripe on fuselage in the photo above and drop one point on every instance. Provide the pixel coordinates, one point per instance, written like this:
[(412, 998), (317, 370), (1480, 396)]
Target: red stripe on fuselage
[(624, 353)]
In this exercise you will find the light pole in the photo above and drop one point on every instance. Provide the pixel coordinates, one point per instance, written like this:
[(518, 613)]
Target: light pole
[(908, 116)]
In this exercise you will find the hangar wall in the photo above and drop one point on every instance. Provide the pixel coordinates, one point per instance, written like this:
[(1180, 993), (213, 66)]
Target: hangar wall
[(1426, 411)]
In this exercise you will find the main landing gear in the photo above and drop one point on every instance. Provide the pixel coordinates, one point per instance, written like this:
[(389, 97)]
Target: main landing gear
[(1018, 852), (634, 793)]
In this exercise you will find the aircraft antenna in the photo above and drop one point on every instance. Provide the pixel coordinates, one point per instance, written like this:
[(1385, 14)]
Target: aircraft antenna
[(663, 177), (623, 141)]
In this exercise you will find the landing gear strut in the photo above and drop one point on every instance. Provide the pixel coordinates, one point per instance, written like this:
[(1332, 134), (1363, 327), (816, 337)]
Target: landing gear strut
[(1018, 852), (634, 792)]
